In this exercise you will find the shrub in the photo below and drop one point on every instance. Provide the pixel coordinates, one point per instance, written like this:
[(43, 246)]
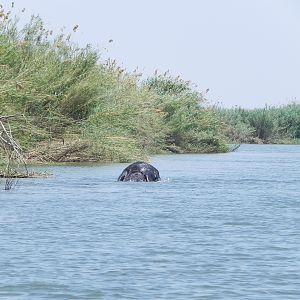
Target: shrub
[(67, 95)]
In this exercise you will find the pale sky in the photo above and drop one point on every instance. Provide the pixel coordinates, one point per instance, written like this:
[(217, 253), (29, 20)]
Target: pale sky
[(247, 52)]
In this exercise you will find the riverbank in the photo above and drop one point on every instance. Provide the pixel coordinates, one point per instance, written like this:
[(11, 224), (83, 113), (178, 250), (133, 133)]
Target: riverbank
[(268, 125), (72, 106)]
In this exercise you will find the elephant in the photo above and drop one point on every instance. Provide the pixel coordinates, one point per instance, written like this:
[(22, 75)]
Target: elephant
[(139, 171)]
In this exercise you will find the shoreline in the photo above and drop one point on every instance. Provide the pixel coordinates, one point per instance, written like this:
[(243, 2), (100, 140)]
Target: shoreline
[(92, 161)]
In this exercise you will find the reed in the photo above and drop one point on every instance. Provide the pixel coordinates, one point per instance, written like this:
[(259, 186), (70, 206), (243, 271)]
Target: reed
[(271, 124), (68, 96)]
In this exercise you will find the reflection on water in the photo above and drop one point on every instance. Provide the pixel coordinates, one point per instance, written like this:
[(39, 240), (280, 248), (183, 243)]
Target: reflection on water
[(218, 226)]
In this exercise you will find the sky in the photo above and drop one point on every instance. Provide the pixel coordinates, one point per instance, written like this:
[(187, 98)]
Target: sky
[(246, 52)]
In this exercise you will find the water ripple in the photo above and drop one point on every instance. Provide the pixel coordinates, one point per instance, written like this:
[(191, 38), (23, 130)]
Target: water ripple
[(222, 226)]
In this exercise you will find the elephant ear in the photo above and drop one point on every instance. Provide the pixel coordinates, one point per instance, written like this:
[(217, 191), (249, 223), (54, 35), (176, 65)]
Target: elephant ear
[(151, 176), (157, 177), (123, 175)]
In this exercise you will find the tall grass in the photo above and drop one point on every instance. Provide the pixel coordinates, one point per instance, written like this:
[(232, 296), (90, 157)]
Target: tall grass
[(71, 100), (191, 125), (270, 124)]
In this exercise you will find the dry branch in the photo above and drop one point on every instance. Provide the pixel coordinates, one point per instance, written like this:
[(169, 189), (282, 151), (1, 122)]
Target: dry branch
[(12, 150)]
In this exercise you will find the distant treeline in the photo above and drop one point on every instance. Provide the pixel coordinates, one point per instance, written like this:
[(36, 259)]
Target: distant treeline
[(262, 125), (73, 107)]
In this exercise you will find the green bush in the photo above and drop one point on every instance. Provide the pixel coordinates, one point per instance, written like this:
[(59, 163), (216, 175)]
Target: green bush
[(191, 125), (266, 125), (67, 95)]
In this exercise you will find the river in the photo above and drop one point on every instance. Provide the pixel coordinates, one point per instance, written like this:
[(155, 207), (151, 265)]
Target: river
[(218, 226)]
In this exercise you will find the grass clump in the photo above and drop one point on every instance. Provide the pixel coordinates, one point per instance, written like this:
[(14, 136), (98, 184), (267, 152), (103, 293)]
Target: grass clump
[(270, 124), (191, 125), (78, 108)]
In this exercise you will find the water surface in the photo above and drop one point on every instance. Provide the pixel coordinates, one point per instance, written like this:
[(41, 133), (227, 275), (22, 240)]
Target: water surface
[(218, 226)]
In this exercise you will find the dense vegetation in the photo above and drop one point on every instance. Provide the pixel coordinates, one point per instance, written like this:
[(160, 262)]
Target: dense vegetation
[(262, 125), (73, 107)]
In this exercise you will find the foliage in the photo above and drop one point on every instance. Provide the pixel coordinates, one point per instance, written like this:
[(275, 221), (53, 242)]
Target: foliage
[(191, 125), (266, 125), (68, 96)]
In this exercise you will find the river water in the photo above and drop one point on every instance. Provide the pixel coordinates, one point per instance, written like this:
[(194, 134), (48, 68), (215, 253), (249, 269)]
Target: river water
[(218, 226)]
